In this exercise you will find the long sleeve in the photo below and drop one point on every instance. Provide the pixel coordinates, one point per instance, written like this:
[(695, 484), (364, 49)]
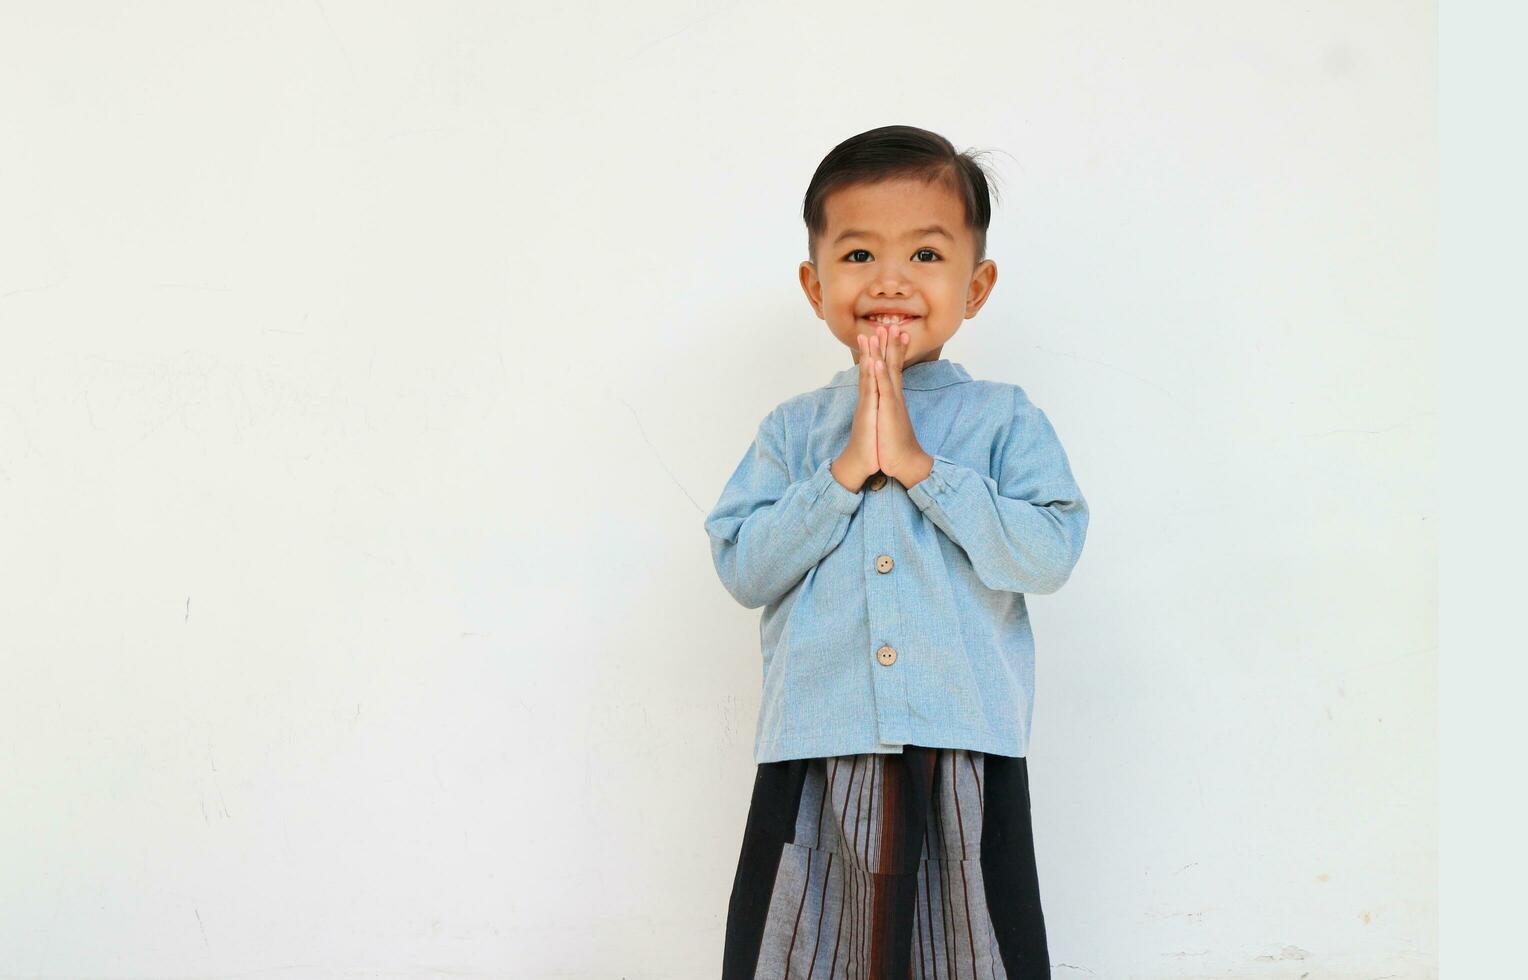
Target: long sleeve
[(1024, 531), (767, 532)]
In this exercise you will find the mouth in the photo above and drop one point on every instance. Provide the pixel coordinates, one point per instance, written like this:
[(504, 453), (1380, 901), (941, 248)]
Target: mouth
[(890, 320)]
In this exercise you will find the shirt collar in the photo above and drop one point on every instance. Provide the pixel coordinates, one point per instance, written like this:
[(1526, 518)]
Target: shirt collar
[(915, 377)]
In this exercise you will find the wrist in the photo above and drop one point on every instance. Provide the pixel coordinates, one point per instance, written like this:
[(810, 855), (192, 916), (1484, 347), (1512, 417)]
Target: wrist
[(849, 474), (917, 471)]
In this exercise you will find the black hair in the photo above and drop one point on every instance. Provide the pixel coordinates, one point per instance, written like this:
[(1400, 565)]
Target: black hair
[(893, 152)]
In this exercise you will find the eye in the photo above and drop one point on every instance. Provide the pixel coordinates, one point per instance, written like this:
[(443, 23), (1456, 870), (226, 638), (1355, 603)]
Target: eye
[(866, 252)]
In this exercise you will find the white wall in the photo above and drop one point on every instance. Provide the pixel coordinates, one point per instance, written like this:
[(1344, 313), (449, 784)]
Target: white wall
[(368, 369)]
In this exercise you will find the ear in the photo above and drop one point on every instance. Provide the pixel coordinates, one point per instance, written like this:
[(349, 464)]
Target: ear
[(982, 281), (812, 286)]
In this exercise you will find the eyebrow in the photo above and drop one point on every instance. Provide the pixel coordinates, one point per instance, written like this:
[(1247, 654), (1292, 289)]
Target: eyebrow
[(915, 233)]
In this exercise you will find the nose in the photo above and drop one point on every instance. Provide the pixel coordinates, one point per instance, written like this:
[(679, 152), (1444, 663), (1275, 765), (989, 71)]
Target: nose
[(892, 279)]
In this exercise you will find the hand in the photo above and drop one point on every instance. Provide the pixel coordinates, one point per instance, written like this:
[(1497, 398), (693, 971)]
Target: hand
[(858, 460), (898, 453)]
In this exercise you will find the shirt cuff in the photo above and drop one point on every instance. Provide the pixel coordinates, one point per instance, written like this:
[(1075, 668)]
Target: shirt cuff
[(840, 498), (940, 482)]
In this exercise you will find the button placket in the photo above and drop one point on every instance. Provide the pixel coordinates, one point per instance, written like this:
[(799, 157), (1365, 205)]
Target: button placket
[(890, 682)]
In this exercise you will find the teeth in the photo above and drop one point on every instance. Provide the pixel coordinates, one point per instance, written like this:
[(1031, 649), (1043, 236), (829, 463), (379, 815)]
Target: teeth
[(887, 318)]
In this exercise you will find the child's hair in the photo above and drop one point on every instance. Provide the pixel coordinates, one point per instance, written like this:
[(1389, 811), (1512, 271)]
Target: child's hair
[(892, 152)]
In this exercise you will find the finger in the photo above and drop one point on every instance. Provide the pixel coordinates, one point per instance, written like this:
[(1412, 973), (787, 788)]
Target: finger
[(890, 370), (886, 402)]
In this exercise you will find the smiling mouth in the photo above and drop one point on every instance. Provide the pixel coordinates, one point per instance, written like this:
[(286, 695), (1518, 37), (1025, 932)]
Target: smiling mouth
[(890, 322)]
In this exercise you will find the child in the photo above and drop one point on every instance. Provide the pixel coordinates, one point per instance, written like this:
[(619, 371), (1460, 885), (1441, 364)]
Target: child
[(890, 524)]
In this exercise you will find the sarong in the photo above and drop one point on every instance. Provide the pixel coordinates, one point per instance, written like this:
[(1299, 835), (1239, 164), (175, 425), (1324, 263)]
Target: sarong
[(896, 866)]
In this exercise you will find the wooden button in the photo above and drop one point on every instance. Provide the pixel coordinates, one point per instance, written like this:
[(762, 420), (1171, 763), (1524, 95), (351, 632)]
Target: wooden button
[(883, 564), (878, 481), (886, 655)]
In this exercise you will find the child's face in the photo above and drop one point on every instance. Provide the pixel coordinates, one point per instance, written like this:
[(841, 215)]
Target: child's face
[(873, 256)]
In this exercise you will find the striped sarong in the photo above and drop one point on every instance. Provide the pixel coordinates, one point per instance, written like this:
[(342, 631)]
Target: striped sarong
[(918, 864)]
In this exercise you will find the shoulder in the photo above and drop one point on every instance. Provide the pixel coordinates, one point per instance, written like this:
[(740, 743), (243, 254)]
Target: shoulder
[(1014, 416), (805, 400), (1014, 396), (805, 408), (791, 413), (999, 399)]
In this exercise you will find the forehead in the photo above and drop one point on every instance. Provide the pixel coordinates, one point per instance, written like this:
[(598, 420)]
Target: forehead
[(893, 208)]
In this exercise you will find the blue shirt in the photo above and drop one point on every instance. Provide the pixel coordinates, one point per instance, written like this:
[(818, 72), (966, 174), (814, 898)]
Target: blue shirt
[(894, 615)]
